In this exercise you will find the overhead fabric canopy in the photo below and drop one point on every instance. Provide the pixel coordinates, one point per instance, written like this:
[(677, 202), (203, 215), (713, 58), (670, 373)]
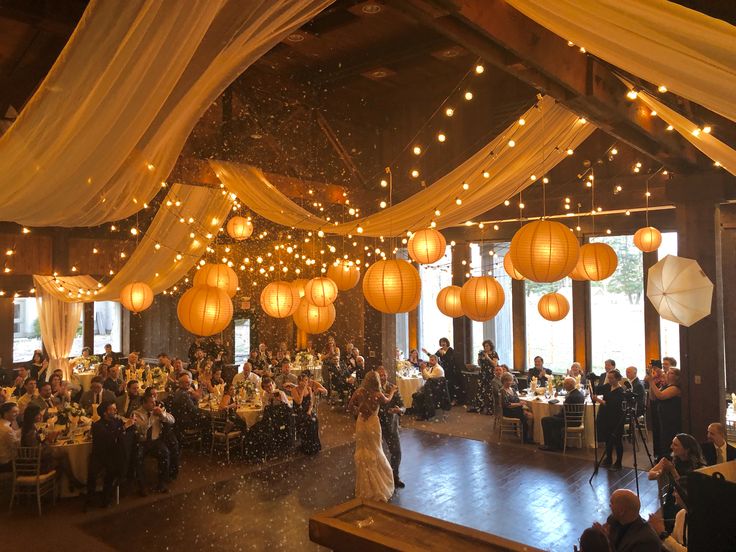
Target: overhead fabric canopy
[(539, 144), (690, 53), (106, 126), (159, 267)]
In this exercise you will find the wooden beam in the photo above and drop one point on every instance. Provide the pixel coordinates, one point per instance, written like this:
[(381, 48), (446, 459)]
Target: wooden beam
[(518, 320), (88, 326), (6, 331), (581, 337), (652, 342)]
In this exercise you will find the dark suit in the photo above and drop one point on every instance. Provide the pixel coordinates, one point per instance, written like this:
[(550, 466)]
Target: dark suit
[(133, 404), (541, 375), (637, 387), (552, 426), (108, 453), (88, 399), (709, 453), (637, 536), (390, 429)]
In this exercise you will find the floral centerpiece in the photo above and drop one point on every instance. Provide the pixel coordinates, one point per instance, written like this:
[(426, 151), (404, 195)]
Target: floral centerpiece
[(84, 362), (245, 389), (69, 414), (158, 377), (304, 358), (557, 382), (406, 369)]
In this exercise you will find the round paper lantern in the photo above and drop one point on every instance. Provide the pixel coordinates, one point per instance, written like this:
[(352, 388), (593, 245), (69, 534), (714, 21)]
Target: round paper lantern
[(204, 310), (239, 228), (280, 299), (320, 291), (392, 286), (544, 251), (448, 301), (313, 319), (136, 296), (553, 307), (345, 274), (597, 261), (648, 239), (508, 266), (299, 284), (219, 276), (577, 275), (426, 246), (481, 298)]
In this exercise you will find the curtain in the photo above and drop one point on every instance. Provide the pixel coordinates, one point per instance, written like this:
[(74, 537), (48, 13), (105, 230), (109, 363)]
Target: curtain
[(690, 53), (493, 174), (109, 121), (59, 321)]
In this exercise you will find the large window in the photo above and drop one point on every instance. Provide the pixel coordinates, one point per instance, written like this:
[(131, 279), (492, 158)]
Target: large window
[(617, 309), (107, 325), (26, 329), (550, 340), (669, 331), (242, 340), (432, 323)]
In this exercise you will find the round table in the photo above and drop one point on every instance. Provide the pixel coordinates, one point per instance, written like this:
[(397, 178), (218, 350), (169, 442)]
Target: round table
[(315, 370), (541, 408), (78, 452), (85, 379), (407, 387), (249, 414)]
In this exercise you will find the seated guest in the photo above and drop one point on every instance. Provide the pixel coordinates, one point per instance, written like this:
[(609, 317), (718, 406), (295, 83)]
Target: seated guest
[(164, 362), (717, 450), (625, 528), (59, 390), (433, 369), (129, 401), (217, 378), (594, 539), (634, 384), (172, 383), (134, 364), (108, 451), (264, 357), (20, 381), (247, 375), (553, 426), (29, 436), (48, 403), (271, 395), (539, 371), (29, 397), (676, 540), (360, 369), (304, 396), (95, 396), (272, 435), (513, 408), (285, 379), (114, 381), (577, 370), (496, 384), (72, 384), (149, 422), (413, 358), (9, 435), (115, 357), (185, 405)]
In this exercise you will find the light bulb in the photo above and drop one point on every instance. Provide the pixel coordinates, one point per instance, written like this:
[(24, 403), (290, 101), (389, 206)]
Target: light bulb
[(468, 95), (479, 69), (511, 143), (414, 174), (441, 137), (449, 112), (632, 94), (417, 150)]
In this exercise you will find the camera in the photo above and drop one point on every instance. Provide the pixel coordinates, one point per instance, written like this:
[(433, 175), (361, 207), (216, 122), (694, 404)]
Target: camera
[(629, 400)]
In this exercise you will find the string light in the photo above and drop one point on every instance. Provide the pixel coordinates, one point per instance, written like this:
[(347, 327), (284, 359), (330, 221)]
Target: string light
[(632, 94), (468, 95), (662, 88), (417, 150), (479, 69), (449, 112), (441, 137)]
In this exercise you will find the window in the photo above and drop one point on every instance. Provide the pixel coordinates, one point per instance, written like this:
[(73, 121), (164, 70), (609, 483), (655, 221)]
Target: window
[(432, 323), (550, 340), (78, 338), (107, 326), (617, 309), (242, 340), (26, 329), (669, 332)]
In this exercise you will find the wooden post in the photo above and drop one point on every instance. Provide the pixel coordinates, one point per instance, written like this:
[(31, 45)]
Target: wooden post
[(581, 337), (413, 330), (518, 313), (652, 343), (88, 326), (728, 249), (462, 329), (7, 316)]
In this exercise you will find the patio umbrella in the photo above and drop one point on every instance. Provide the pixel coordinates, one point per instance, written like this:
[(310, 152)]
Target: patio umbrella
[(679, 290)]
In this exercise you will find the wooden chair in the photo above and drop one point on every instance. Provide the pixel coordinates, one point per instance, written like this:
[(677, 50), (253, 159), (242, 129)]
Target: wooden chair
[(223, 434), (28, 479), (574, 428), (504, 423)]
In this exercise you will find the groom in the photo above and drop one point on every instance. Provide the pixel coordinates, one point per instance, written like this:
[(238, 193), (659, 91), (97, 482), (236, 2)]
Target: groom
[(388, 415)]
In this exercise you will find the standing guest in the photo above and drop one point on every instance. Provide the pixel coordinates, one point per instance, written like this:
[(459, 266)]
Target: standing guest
[(446, 357), (553, 426), (198, 343), (413, 358), (113, 355), (487, 361), (285, 379), (7, 374), (38, 366), (114, 381), (675, 541), (634, 384), (129, 401), (360, 369), (717, 450), (610, 422), (149, 422), (539, 371), (306, 410), (669, 404), (331, 366), (667, 363), (20, 381), (656, 378), (625, 528), (577, 370), (9, 435), (247, 375), (513, 408), (95, 396), (108, 452), (200, 360), (264, 356), (388, 415), (272, 435)]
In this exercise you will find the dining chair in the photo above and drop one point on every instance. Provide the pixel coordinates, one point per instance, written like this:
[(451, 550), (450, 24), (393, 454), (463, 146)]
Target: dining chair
[(223, 434), (504, 423), (28, 479), (574, 418)]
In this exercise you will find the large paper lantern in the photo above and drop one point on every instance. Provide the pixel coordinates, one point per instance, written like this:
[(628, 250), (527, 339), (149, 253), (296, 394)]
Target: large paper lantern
[(481, 298), (299, 285), (136, 296), (312, 319), (239, 228), (553, 306), (577, 275), (280, 299), (219, 276), (544, 251), (679, 290), (427, 246), (320, 291), (344, 273), (597, 261), (204, 310), (508, 266), (448, 301), (392, 286), (648, 239)]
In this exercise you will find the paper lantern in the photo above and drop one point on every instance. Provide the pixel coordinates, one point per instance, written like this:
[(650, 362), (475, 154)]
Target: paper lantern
[(219, 276), (299, 285), (344, 273), (392, 286), (648, 239), (544, 251), (577, 275), (553, 306), (448, 301), (136, 296), (313, 319), (204, 310), (508, 266), (427, 246), (239, 228), (481, 298), (280, 299), (320, 291), (679, 290), (597, 261)]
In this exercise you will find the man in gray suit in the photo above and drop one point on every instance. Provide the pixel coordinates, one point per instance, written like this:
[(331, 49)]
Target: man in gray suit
[(96, 395), (388, 415)]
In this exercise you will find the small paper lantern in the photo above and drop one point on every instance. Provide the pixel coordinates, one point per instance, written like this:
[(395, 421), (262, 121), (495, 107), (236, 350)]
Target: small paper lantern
[(679, 290), (219, 276), (597, 261), (344, 273), (320, 291), (448, 301), (312, 319), (280, 299), (299, 285), (427, 246), (392, 286), (508, 266), (648, 239), (239, 228), (204, 310), (553, 306), (544, 251), (481, 298), (136, 296)]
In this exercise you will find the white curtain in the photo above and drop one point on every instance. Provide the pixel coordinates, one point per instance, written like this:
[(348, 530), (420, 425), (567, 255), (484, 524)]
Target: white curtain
[(109, 121), (690, 53), (59, 321), (549, 130)]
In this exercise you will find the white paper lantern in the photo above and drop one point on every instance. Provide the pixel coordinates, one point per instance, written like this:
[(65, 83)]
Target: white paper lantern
[(679, 290)]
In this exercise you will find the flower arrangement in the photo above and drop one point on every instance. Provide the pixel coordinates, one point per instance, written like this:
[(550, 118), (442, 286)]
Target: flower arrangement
[(304, 358), (405, 368), (85, 362), (66, 413), (557, 381), (158, 377)]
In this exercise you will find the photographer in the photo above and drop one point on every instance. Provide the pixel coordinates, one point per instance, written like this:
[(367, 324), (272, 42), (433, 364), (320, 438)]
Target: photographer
[(611, 417)]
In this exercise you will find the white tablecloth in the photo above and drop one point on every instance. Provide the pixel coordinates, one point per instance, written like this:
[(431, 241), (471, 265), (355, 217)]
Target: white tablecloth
[(85, 379), (78, 454), (407, 387), (316, 371), (250, 414), (541, 408)]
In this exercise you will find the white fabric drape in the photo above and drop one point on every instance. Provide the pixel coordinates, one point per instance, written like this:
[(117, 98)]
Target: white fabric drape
[(109, 121), (690, 53), (542, 142), (59, 321)]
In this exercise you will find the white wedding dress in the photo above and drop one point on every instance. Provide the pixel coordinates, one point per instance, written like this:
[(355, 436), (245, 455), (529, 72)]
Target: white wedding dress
[(374, 479)]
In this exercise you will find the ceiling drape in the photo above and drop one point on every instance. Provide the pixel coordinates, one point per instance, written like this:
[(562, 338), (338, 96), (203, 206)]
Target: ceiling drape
[(549, 130), (690, 53), (107, 124)]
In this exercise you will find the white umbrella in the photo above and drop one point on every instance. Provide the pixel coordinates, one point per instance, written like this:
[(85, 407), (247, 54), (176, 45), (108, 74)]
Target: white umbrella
[(679, 290)]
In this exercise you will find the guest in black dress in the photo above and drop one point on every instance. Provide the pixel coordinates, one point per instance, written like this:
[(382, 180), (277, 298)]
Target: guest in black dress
[(487, 361), (669, 403), (610, 421), (446, 356), (307, 425)]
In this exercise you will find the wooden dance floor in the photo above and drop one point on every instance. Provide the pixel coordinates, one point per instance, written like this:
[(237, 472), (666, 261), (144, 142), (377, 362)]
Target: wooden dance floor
[(516, 492)]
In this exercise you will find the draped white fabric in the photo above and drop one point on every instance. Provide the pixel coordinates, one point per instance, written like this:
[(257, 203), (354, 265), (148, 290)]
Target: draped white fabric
[(108, 122), (158, 267), (690, 53), (59, 321), (542, 142)]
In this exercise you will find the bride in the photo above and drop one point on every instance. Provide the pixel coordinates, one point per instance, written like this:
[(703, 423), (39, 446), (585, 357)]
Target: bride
[(374, 479)]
